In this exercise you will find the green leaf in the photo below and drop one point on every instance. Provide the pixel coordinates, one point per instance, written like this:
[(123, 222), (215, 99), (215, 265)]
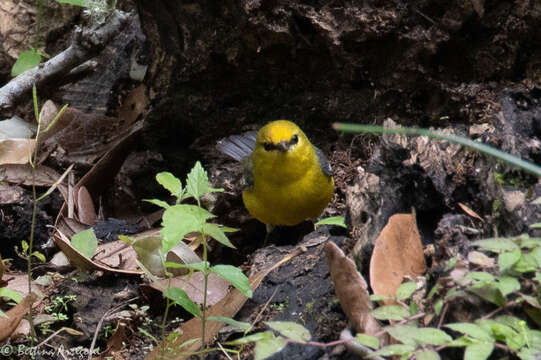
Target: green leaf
[(473, 330), (478, 351), (405, 290), (418, 336), (39, 256), (226, 320), (390, 312), (536, 253), (507, 285), (197, 182), (217, 234), (397, 349), (179, 220), (428, 355), (265, 335), (180, 297), (497, 245), (290, 330), (450, 264), (170, 183), (157, 202), (507, 259), (536, 226), (380, 297), (3, 314), (85, 242), (491, 293), (267, 347), (10, 294), (26, 60), (199, 266), (480, 276), (526, 263), (476, 145), (367, 340), (438, 306), (235, 276), (82, 3), (503, 332), (334, 220), (529, 242), (25, 246)]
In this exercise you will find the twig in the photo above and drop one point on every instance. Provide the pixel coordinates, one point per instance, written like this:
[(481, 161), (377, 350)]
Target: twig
[(100, 323), (443, 313), (86, 44)]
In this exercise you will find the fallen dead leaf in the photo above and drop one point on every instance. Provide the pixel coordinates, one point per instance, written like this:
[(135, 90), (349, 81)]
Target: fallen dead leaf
[(352, 291), (398, 252), (16, 151), (227, 307), (193, 285), (11, 194), (478, 258), (15, 314), (469, 211), (85, 207)]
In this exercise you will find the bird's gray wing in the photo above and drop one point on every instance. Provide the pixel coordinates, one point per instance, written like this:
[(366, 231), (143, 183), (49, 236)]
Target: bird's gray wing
[(324, 163), (238, 146)]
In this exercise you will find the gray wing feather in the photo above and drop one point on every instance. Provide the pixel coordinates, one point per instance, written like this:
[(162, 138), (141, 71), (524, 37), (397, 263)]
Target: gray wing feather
[(238, 146), (324, 163)]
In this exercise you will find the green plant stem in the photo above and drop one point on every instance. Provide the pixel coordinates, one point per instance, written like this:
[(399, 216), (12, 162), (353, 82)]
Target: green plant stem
[(29, 256), (205, 285)]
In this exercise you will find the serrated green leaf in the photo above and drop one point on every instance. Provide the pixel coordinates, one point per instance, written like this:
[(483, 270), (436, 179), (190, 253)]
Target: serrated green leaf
[(367, 340), (217, 234), (478, 351), (226, 320), (507, 259), (334, 220), (235, 276), (180, 297), (85, 242), (290, 330), (405, 290), (428, 355), (170, 183), (496, 244), (10, 294), (27, 60), (265, 335), (473, 330), (179, 220), (197, 183), (157, 202), (396, 349), (267, 347), (507, 285), (390, 312)]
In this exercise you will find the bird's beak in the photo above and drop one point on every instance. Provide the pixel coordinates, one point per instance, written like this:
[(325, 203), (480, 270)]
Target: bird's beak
[(283, 146)]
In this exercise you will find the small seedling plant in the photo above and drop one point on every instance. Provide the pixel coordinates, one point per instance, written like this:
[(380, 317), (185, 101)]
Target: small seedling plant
[(180, 219)]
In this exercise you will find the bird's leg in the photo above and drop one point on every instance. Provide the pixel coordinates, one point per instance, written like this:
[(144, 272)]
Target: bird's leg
[(267, 235)]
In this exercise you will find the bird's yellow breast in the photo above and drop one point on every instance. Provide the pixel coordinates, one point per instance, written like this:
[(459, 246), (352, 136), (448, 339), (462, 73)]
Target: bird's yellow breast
[(288, 186)]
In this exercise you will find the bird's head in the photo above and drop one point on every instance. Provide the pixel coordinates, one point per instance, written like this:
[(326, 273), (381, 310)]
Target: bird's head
[(281, 137)]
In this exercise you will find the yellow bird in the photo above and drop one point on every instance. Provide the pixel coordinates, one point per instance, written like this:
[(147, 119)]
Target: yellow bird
[(287, 179)]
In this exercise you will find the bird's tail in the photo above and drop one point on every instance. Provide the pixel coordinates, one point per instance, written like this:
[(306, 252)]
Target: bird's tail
[(238, 146)]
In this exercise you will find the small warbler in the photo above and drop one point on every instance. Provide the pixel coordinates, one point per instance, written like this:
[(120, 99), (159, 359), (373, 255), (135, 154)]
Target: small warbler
[(287, 179)]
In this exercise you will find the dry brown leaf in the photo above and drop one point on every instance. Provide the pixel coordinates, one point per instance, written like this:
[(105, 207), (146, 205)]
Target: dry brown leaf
[(478, 258), (116, 343), (16, 151), (11, 194), (85, 207), (19, 283), (398, 252), (469, 211), (193, 285), (15, 314), (352, 291), (118, 255), (227, 307)]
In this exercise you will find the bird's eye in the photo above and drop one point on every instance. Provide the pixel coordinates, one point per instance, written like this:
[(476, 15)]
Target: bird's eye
[(294, 139), (267, 146)]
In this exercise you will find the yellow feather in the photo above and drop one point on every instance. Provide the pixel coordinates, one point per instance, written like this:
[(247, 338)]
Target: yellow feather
[(289, 186)]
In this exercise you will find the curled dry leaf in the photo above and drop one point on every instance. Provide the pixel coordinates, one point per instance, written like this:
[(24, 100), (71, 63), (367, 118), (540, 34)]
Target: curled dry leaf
[(85, 207), (469, 211), (352, 291), (398, 252), (193, 285), (15, 314)]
